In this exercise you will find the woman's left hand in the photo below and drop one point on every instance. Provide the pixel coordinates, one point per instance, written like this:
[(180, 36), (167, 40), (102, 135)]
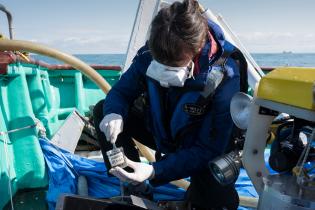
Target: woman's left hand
[(142, 172)]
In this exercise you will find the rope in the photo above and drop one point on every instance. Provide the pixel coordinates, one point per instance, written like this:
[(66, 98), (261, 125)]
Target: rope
[(8, 168), (5, 141), (18, 129)]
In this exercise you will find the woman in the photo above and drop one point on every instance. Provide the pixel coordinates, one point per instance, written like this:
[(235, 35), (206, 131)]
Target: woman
[(184, 78)]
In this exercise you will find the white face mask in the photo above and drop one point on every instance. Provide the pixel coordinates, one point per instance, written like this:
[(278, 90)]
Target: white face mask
[(168, 75)]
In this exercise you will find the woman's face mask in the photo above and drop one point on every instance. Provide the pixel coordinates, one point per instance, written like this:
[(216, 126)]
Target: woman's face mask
[(168, 75)]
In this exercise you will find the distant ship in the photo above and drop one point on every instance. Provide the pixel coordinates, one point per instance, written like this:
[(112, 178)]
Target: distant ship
[(287, 52)]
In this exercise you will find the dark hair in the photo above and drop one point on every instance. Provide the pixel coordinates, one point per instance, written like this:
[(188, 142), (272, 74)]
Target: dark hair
[(177, 32)]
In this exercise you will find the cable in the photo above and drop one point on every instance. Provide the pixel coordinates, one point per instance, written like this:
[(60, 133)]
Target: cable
[(304, 154), (5, 141), (8, 169)]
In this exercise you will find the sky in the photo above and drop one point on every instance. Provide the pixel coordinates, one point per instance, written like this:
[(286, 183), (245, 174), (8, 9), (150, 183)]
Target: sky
[(104, 26)]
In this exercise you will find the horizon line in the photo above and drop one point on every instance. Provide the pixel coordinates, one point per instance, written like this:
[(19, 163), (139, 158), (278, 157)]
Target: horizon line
[(284, 52)]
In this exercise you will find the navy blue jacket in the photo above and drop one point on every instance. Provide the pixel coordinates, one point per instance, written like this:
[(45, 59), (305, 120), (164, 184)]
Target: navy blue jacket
[(188, 142)]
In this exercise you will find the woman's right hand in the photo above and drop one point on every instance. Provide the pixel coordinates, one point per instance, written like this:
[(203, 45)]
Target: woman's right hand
[(111, 126)]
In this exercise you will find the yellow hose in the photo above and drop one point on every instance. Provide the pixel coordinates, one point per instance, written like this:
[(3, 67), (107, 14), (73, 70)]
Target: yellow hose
[(18, 45)]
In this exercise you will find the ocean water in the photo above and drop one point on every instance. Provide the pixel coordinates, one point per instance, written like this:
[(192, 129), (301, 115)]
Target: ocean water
[(101, 59), (285, 59), (263, 59)]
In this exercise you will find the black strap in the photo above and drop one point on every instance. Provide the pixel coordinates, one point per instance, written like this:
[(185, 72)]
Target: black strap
[(214, 79), (238, 56)]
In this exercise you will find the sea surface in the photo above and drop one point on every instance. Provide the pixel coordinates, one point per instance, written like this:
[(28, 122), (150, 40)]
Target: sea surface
[(263, 59)]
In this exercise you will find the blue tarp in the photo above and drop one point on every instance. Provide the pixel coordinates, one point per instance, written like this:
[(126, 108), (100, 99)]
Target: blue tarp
[(64, 169)]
